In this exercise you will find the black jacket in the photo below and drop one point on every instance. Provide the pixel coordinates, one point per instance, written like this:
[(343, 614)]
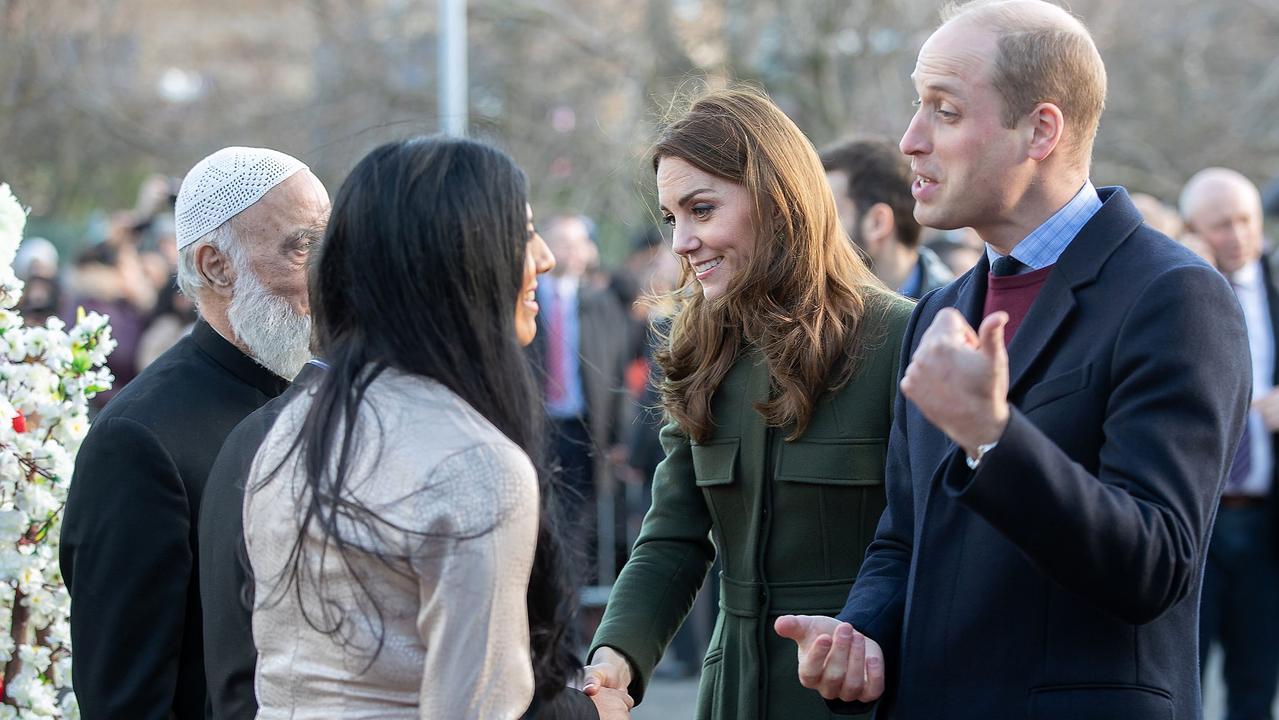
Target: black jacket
[(1061, 578), (229, 655), (129, 544)]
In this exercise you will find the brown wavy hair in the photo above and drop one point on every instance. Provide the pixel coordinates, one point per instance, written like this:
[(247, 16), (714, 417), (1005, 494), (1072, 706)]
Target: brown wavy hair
[(804, 291)]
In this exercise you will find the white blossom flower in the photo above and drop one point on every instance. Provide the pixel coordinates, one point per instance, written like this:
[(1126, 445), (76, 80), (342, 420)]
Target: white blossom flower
[(9, 320), (13, 523), (37, 501), (71, 431), (35, 656), (40, 605), (69, 707), (13, 218), (30, 579), (12, 563), (62, 671), (15, 346), (29, 690), (59, 632)]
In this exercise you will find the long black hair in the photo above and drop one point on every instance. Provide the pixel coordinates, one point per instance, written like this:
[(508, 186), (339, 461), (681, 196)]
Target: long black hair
[(420, 270)]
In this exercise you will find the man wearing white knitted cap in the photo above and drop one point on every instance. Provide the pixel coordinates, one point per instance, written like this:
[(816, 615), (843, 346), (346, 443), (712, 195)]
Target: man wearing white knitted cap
[(247, 219)]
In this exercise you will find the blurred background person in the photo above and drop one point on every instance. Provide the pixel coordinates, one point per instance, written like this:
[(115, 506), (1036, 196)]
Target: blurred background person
[(108, 277), (1167, 220), (173, 317), (36, 257), (871, 180), (1159, 216), (959, 249), (1241, 581), (36, 265), (1198, 246), (582, 348)]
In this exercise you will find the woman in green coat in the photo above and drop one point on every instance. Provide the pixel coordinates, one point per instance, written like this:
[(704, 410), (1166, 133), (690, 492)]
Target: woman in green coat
[(779, 375)]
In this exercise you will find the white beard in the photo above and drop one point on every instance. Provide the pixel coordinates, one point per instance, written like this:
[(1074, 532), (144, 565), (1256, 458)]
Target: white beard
[(278, 338)]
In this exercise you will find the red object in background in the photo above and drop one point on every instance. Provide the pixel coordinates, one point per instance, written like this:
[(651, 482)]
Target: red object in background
[(636, 377), (19, 426)]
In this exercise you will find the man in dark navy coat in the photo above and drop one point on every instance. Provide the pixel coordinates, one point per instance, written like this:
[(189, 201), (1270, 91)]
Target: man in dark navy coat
[(246, 218), (1052, 476)]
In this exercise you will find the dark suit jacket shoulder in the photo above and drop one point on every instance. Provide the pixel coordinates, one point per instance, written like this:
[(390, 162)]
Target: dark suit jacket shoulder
[(129, 544), (1068, 565)]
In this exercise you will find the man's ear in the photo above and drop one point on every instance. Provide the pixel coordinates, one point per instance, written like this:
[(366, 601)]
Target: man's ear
[(1048, 127), (878, 226), (214, 266)]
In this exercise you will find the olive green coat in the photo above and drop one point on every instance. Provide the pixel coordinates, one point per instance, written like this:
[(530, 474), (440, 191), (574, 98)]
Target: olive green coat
[(791, 521)]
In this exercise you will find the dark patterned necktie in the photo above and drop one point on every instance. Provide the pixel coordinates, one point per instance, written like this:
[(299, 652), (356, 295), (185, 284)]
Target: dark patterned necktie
[(1006, 265)]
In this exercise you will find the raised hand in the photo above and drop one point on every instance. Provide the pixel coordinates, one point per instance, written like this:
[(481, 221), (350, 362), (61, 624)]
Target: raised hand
[(612, 704), (608, 669), (834, 659), (959, 378)]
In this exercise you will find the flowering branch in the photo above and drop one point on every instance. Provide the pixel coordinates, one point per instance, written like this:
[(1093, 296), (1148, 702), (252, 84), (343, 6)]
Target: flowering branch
[(48, 374)]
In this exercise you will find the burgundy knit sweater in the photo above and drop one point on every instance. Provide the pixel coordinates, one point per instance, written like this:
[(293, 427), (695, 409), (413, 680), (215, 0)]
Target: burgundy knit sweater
[(1014, 294)]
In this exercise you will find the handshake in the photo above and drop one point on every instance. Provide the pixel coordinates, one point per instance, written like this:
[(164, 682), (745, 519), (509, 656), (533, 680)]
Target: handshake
[(606, 681), (834, 659)]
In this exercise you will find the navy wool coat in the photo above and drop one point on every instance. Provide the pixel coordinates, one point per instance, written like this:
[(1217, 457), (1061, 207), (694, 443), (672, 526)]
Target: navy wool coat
[(1061, 578)]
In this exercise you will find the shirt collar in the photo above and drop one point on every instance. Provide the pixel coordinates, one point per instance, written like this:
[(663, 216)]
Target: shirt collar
[(1248, 276), (566, 285), (235, 361), (1047, 242)]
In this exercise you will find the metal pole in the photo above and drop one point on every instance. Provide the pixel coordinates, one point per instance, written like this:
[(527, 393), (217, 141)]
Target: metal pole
[(452, 70)]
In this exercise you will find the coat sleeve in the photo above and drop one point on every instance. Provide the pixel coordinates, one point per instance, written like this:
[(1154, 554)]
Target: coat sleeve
[(127, 561), (877, 601), (659, 583), (1131, 537)]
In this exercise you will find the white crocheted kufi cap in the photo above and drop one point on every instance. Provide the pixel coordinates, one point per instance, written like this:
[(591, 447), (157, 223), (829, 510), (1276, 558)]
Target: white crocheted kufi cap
[(223, 184)]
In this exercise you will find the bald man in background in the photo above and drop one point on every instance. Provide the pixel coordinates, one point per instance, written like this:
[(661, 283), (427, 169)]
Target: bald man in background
[(1240, 607)]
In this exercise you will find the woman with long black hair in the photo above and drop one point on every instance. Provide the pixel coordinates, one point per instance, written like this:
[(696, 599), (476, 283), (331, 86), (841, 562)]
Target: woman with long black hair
[(395, 512)]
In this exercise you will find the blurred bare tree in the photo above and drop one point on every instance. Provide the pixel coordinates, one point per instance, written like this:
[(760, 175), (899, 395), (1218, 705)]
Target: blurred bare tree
[(96, 93)]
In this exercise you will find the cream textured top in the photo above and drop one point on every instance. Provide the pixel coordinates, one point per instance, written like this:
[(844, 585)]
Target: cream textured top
[(459, 508)]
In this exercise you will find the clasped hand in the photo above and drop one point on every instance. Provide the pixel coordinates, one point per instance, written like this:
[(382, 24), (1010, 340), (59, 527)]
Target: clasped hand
[(834, 659), (607, 680), (958, 378)]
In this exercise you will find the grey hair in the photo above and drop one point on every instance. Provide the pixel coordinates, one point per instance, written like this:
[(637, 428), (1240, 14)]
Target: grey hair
[(224, 240)]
